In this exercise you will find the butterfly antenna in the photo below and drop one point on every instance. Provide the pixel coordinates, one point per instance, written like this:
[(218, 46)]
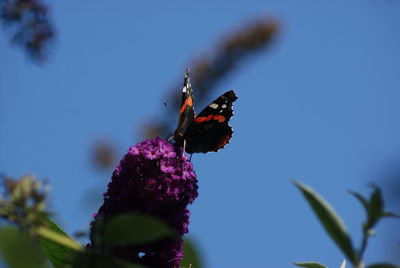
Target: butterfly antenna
[(170, 114), (170, 137), (187, 76), (186, 82)]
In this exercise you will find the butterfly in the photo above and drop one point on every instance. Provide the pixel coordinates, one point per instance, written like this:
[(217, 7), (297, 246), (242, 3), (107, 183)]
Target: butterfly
[(210, 130)]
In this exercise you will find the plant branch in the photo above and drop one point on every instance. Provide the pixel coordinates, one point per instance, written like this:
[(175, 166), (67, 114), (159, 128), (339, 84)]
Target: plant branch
[(63, 240)]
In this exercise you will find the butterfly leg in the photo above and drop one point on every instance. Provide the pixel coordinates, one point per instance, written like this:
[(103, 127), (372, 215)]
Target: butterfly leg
[(190, 159), (184, 146), (170, 137)]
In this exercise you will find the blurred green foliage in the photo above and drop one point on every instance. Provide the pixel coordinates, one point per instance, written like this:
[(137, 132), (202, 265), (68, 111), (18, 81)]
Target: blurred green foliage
[(19, 249), (334, 225), (23, 201)]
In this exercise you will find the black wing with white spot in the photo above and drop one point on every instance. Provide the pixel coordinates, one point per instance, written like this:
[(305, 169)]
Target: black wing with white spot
[(210, 130), (186, 112)]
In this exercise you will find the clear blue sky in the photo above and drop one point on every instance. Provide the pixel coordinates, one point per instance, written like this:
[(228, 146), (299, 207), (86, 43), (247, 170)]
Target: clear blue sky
[(320, 106)]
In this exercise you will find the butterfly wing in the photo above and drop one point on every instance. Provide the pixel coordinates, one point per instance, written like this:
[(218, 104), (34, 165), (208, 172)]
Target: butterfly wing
[(186, 112), (210, 130)]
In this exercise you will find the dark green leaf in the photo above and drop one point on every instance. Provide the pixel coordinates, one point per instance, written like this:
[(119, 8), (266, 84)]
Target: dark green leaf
[(362, 200), (19, 250), (390, 215), (310, 264), (191, 255), (57, 254), (125, 264), (131, 229), (89, 259), (332, 223), (383, 265), (375, 208)]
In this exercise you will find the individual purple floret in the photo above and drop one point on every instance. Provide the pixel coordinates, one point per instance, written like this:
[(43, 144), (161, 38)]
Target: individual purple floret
[(153, 178)]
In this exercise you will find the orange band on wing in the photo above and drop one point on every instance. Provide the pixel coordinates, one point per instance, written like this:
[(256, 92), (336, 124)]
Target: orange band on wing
[(188, 102), (219, 118)]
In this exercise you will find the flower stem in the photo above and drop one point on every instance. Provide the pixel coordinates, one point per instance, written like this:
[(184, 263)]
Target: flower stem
[(359, 262), (63, 240)]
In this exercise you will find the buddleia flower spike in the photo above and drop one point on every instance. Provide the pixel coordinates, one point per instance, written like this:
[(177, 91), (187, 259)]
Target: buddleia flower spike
[(154, 178)]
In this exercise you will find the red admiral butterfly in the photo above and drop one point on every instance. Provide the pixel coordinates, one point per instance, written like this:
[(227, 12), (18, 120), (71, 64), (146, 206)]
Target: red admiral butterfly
[(209, 131)]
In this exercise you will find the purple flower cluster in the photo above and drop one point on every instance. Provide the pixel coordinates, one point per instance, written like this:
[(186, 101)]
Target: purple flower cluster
[(153, 178)]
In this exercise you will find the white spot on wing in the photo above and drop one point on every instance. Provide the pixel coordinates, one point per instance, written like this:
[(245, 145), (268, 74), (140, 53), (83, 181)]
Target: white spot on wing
[(184, 90), (224, 105), (213, 105)]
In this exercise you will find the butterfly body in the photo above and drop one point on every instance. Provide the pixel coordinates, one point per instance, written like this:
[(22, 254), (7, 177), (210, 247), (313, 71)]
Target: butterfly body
[(209, 131)]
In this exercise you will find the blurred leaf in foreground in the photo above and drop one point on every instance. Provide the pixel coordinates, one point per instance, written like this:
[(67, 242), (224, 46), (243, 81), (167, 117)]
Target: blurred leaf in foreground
[(59, 255), (329, 219), (19, 250), (131, 229), (90, 259), (191, 258), (24, 204)]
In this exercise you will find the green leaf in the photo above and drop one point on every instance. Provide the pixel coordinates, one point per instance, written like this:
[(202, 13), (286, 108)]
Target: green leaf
[(19, 250), (310, 264), (89, 259), (375, 208), (362, 200), (383, 265), (125, 264), (191, 257), (59, 255), (390, 215), (131, 229), (332, 223)]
